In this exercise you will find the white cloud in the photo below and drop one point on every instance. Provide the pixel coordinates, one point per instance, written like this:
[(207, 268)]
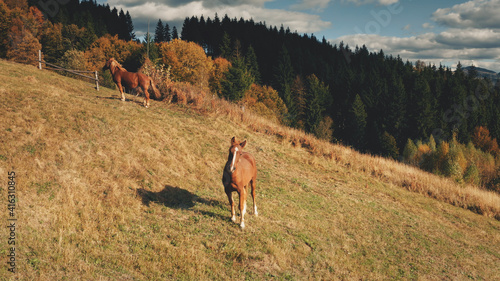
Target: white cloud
[(315, 5), (296, 21), (380, 2), (430, 47), (427, 25), (177, 3), (475, 13), (470, 38)]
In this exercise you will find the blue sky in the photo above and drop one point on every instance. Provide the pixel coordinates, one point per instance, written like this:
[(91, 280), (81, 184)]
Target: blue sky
[(439, 31)]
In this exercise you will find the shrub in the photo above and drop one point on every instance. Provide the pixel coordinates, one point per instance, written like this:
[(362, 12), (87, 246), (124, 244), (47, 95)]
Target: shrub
[(422, 150), (471, 175), (160, 75), (186, 93), (432, 143), (442, 151), (409, 152), (265, 101), (454, 162), (389, 146), (74, 60), (324, 130)]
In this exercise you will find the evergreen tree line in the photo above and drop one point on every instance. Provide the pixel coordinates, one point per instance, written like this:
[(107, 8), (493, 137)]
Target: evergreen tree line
[(370, 101), (97, 19), (163, 33)]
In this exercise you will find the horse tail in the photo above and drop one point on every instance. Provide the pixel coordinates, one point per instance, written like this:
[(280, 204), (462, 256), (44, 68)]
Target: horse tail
[(155, 90)]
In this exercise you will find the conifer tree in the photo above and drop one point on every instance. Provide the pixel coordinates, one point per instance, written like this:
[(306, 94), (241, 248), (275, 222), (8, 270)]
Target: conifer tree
[(298, 113), (409, 152), (159, 32), (237, 81), (357, 123), (175, 34), (316, 96), (225, 46), (389, 146), (238, 78), (122, 32), (252, 64), (166, 33), (425, 107), (283, 76)]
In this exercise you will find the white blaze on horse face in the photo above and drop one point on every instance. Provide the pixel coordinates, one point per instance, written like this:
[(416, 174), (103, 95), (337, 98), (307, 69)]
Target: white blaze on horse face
[(234, 159)]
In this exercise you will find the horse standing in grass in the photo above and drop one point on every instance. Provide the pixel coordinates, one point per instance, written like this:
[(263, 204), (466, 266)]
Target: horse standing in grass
[(130, 80), (239, 172)]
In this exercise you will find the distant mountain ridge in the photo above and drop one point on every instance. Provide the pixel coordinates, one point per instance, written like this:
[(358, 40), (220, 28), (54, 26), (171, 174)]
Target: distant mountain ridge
[(484, 73)]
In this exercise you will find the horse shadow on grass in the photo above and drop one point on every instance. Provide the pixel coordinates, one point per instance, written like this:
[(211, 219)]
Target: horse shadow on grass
[(177, 198)]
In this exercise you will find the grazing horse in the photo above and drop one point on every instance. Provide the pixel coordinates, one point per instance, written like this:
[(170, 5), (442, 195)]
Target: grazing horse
[(130, 80), (239, 172)]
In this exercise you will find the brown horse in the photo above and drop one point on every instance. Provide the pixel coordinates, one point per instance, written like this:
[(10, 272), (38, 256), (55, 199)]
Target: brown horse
[(130, 80), (239, 172)]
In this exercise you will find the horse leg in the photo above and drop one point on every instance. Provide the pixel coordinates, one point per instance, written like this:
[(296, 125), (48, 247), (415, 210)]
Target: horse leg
[(121, 91), (253, 197), (231, 202), (243, 206), (146, 95)]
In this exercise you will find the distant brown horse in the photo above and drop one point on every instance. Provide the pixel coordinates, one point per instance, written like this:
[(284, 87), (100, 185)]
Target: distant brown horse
[(239, 172), (130, 80)]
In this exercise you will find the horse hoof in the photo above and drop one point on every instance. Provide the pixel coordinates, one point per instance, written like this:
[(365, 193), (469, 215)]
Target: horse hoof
[(122, 99), (233, 219), (242, 225)]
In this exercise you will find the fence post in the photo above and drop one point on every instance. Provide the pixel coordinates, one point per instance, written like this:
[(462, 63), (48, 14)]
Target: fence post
[(96, 80), (40, 59)]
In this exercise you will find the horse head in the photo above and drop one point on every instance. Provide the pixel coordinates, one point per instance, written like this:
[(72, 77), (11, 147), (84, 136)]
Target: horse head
[(235, 153), (107, 65)]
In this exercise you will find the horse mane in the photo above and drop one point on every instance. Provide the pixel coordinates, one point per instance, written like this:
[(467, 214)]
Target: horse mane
[(118, 65)]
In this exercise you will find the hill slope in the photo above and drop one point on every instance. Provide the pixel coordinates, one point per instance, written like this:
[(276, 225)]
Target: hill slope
[(110, 190)]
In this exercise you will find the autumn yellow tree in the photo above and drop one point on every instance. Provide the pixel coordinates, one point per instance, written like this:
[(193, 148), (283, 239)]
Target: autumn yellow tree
[(221, 65), (107, 47), (5, 25), (188, 62), (25, 49), (265, 101), (25, 26)]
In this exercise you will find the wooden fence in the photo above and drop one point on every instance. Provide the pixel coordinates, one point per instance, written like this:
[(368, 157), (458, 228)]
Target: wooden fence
[(95, 77)]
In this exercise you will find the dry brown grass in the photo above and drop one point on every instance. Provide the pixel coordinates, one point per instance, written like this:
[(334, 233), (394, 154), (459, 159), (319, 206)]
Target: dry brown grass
[(109, 190)]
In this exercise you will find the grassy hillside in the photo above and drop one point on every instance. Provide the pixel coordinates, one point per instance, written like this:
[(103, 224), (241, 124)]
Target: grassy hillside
[(110, 190)]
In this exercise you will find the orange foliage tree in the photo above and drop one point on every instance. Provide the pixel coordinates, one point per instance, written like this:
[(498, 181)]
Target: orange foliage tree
[(5, 25), (107, 47), (482, 140), (188, 62), (221, 65), (24, 25)]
